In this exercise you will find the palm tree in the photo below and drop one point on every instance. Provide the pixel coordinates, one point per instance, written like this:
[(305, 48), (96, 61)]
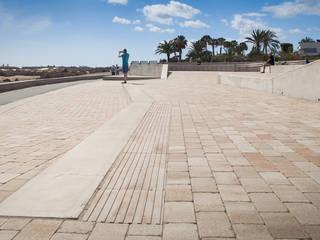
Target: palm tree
[(241, 48), (306, 39), (196, 49), (256, 39), (165, 48), (269, 41), (206, 39), (220, 42), (180, 43)]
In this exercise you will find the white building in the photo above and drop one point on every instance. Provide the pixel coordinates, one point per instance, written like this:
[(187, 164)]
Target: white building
[(309, 48)]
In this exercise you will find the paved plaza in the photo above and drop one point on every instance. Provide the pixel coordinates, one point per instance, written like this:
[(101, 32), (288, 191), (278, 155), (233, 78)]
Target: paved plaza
[(204, 161)]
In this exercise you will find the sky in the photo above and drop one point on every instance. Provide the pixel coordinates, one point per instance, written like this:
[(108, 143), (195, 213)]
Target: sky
[(91, 32)]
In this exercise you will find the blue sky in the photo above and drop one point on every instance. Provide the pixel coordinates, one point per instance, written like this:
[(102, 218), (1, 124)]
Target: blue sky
[(90, 32)]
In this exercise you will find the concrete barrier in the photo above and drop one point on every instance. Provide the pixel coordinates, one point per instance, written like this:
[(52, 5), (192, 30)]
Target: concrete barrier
[(219, 67), (281, 68), (5, 87), (146, 69), (298, 82)]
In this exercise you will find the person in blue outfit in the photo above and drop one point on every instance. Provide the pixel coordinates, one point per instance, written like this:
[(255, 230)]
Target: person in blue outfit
[(125, 63)]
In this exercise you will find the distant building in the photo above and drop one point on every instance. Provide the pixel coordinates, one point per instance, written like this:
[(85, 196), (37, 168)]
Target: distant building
[(309, 48)]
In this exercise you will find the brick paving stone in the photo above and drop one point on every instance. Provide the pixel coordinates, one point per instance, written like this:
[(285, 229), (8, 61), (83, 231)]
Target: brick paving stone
[(15, 223), (220, 166), (69, 236), (177, 167), (197, 161), (179, 212), (113, 231), (274, 178), (72, 226), (203, 185), (200, 172), (313, 231), (242, 212), (267, 202), (251, 232), (283, 225), (178, 193), (226, 178), (233, 193), (306, 213), (7, 235), (178, 178), (143, 238), (314, 198), (145, 230), (306, 185), (246, 172), (39, 229), (180, 232), (288, 193), (177, 157), (315, 176), (208, 202), (307, 166), (252, 185), (3, 220), (214, 224), (238, 161)]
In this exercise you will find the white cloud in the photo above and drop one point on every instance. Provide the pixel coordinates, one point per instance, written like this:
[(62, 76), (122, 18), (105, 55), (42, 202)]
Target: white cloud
[(225, 21), (121, 20), (138, 29), (245, 26), (254, 14), (194, 24), (296, 31), (122, 2), (153, 28), (164, 14), (293, 8), (136, 21)]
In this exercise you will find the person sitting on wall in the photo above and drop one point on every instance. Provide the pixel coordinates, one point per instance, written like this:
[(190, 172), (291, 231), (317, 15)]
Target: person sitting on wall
[(307, 60), (268, 63)]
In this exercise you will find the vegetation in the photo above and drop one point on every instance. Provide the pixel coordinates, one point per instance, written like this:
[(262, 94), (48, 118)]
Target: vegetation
[(209, 49)]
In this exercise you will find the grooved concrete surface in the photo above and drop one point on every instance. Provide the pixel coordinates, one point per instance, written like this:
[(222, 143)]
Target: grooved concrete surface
[(238, 164)]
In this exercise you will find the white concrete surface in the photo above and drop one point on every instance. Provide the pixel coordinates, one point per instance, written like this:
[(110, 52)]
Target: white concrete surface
[(164, 73), (65, 187)]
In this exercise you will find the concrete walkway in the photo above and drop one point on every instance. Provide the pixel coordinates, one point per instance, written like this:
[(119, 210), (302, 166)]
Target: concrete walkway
[(205, 162)]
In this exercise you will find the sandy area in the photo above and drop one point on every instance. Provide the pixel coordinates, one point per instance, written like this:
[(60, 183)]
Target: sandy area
[(20, 77)]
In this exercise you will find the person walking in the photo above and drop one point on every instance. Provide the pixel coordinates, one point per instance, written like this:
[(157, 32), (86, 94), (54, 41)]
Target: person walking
[(125, 63)]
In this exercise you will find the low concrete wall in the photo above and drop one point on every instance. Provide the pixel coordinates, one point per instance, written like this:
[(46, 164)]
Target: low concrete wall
[(5, 87), (137, 69), (281, 68), (256, 83), (300, 82), (220, 67)]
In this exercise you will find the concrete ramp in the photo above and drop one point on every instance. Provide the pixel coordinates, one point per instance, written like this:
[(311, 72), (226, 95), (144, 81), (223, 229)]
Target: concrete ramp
[(297, 82)]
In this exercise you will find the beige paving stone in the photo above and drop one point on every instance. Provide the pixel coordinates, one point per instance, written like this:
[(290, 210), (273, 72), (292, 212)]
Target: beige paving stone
[(306, 185), (7, 235), (226, 178), (242, 212), (15, 223), (180, 232), (238, 161), (143, 238), (313, 231), (274, 178), (177, 157), (208, 202), (178, 178), (200, 172), (288, 193), (315, 176), (220, 166), (314, 198), (306, 213), (251, 232), (233, 193), (283, 225), (113, 231), (73, 226), (214, 224), (178, 193), (267, 202), (69, 236), (197, 161), (246, 172), (203, 185), (252, 185), (145, 230), (5, 177), (179, 212), (177, 167), (3, 220), (39, 229), (307, 166)]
